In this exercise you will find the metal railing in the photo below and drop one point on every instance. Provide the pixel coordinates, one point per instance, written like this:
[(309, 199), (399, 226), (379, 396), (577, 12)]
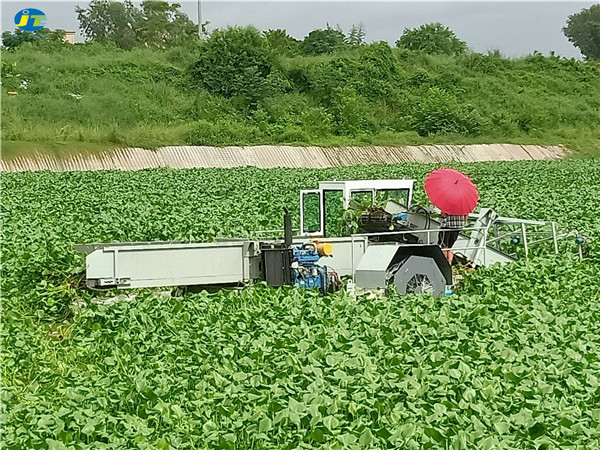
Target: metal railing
[(428, 232), (484, 242), (271, 231), (524, 233)]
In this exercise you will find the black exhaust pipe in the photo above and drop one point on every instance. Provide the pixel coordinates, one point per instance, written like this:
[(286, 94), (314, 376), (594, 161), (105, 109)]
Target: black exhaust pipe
[(287, 227)]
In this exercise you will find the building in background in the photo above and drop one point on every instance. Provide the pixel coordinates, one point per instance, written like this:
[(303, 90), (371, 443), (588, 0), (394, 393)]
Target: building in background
[(69, 37)]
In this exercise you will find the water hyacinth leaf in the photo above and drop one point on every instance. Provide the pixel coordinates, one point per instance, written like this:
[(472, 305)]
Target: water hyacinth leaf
[(502, 427), (537, 430), (331, 422), (55, 445), (317, 435), (366, 438), (163, 444), (264, 425), (347, 439)]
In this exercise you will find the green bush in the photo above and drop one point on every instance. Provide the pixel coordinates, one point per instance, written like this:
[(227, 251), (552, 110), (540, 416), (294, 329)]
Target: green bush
[(351, 112), (378, 71), (281, 42), (235, 62), (321, 42), (324, 77), (440, 112), (432, 38)]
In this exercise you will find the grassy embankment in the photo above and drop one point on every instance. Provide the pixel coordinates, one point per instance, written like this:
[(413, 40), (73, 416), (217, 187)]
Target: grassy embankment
[(147, 98)]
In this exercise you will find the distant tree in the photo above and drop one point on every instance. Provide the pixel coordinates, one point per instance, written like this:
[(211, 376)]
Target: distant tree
[(107, 21), (163, 24), (156, 24), (12, 40), (281, 42), (432, 38), (356, 35), (583, 31), (321, 42), (234, 62)]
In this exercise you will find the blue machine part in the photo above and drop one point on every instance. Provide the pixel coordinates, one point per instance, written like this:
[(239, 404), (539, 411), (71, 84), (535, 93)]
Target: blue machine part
[(306, 255), (307, 273)]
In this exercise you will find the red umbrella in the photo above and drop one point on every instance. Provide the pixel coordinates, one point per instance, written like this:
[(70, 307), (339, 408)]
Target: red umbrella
[(451, 191)]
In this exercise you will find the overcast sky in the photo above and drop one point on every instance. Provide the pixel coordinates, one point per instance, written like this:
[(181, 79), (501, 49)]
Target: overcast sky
[(514, 28)]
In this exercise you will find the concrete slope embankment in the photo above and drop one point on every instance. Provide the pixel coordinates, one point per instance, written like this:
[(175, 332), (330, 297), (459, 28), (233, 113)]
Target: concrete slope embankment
[(267, 156)]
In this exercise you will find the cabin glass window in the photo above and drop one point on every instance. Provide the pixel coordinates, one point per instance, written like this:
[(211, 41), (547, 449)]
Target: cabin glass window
[(335, 214), (361, 199), (398, 195), (311, 212)]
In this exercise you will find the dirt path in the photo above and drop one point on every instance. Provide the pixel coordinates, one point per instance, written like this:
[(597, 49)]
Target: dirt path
[(279, 156)]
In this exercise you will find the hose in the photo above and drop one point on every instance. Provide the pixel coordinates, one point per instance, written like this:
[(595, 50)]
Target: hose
[(416, 209)]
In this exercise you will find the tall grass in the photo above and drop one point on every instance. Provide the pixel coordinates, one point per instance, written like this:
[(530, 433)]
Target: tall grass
[(104, 95)]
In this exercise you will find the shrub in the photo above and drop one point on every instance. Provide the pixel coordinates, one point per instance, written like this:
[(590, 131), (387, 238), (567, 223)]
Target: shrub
[(235, 62), (281, 42), (432, 38), (440, 112), (321, 42), (351, 113)]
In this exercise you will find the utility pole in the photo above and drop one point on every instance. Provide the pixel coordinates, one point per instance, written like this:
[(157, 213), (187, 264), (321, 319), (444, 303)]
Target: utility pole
[(199, 20)]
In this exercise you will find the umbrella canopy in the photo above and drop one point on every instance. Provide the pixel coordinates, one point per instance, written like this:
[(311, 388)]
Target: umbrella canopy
[(451, 191)]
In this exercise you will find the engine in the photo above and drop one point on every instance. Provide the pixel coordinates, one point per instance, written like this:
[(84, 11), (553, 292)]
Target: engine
[(297, 264), (287, 263), (306, 273)]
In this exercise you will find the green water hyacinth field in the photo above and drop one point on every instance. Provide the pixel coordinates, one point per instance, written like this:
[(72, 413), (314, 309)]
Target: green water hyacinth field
[(510, 360)]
